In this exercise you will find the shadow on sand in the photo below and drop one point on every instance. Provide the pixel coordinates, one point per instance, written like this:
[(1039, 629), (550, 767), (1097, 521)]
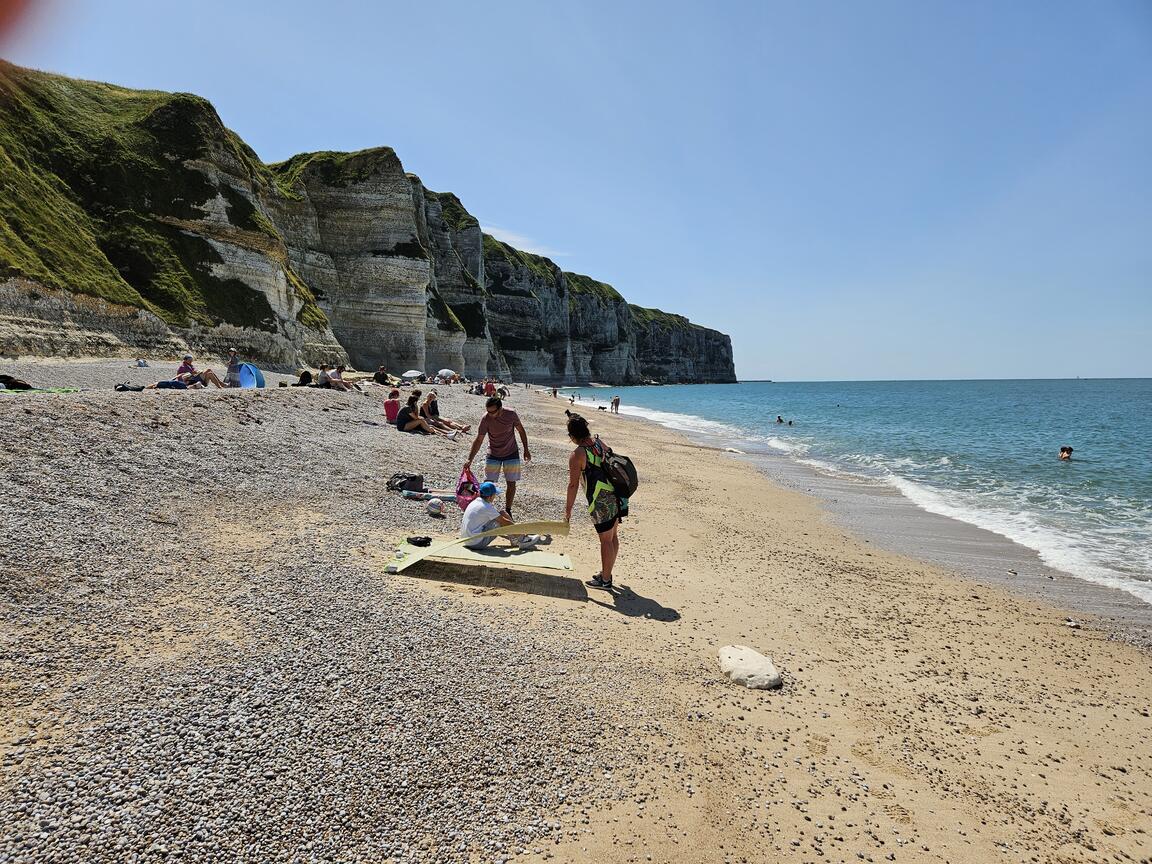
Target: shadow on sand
[(550, 584), (628, 602)]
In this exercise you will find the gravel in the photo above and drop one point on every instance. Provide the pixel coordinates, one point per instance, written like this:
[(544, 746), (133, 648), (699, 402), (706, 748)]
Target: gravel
[(202, 659)]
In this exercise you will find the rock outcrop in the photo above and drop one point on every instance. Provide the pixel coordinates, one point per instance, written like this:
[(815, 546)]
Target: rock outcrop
[(134, 221)]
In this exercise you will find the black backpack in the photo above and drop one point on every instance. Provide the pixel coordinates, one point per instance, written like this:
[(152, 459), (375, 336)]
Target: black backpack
[(402, 481), (620, 472)]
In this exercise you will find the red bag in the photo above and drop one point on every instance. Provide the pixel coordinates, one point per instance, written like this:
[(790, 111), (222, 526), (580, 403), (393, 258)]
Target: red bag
[(467, 489)]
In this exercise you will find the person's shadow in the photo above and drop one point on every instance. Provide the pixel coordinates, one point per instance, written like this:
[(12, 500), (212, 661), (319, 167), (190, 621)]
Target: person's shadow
[(628, 602)]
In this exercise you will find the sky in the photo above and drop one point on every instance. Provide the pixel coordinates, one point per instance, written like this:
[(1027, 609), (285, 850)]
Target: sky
[(883, 190)]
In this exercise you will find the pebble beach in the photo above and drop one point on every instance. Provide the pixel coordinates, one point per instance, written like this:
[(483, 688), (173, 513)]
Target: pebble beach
[(203, 659)]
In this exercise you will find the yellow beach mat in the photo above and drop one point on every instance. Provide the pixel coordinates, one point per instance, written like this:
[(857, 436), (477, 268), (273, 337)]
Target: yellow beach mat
[(498, 556), (415, 554)]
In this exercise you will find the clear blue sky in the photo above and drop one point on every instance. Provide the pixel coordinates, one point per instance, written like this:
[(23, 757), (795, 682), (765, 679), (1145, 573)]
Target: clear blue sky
[(882, 189)]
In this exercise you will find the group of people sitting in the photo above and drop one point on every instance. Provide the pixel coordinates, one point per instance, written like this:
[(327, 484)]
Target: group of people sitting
[(488, 387), (420, 418), (188, 377)]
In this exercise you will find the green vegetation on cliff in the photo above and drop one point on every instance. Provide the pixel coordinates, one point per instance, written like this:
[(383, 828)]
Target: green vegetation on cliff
[(97, 199), (657, 317), (579, 284), (453, 212), (497, 252), (332, 168)]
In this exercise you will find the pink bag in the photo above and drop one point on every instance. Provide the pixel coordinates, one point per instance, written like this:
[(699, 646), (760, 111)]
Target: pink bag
[(467, 489)]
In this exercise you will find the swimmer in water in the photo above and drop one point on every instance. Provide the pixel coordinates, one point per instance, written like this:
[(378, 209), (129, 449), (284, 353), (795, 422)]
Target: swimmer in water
[(1065, 453)]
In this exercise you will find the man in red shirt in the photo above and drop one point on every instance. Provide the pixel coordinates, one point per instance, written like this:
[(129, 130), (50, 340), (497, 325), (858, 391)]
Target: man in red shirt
[(501, 425)]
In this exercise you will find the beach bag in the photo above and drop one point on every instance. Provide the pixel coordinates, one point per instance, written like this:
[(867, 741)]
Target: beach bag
[(467, 489), (620, 472), (402, 481)]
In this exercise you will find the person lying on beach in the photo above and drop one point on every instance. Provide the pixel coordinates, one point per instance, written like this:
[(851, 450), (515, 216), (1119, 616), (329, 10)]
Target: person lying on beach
[(12, 383), (409, 420), (392, 405), (1066, 454), (483, 515), (430, 411), (188, 374)]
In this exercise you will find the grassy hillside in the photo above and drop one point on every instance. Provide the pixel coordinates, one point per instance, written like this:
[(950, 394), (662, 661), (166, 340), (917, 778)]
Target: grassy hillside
[(94, 191)]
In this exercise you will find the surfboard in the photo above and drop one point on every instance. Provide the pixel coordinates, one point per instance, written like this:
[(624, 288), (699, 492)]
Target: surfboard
[(499, 556), (418, 554)]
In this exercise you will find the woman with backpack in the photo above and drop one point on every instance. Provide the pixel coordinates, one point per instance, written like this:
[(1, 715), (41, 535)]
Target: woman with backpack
[(605, 507)]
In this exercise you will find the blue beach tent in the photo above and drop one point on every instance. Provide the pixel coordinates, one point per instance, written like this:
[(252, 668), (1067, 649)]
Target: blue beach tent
[(250, 376)]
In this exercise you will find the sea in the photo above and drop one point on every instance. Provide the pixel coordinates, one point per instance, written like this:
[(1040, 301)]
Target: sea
[(978, 453)]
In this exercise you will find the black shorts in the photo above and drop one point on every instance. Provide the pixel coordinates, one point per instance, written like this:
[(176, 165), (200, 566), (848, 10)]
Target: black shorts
[(601, 527)]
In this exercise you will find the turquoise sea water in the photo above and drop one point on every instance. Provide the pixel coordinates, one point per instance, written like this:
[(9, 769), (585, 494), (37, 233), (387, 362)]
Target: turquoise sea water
[(983, 452)]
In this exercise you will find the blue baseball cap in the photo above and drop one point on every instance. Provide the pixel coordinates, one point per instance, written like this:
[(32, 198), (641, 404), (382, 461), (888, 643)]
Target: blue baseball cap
[(487, 490)]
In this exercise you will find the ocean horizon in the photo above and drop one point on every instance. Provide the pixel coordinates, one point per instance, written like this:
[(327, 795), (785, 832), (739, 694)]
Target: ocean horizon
[(979, 451)]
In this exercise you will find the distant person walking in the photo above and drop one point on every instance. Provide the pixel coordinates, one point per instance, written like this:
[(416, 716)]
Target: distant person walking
[(615, 404), (501, 425), (605, 508)]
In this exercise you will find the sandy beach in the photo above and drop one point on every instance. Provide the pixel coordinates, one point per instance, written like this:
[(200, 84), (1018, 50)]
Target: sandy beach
[(203, 659)]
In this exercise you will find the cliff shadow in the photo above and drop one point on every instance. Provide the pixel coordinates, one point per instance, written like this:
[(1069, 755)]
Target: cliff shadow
[(628, 602), (526, 581)]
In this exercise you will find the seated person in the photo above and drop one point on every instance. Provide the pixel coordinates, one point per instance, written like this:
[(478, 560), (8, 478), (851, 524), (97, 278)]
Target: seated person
[(392, 405), (380, 376), (409, 420), (483, 515), (336, 380), (324, 376), (188, 374), (430, 411)]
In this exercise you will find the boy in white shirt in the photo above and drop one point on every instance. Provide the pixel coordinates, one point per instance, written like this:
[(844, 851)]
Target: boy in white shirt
[(483, 515)]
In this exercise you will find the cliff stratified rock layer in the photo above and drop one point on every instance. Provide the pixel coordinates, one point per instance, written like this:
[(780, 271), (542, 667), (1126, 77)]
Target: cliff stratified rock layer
[(134, 221)]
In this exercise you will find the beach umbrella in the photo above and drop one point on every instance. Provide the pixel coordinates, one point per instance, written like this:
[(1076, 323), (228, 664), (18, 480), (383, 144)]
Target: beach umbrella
[(412, 373), (446, 373)]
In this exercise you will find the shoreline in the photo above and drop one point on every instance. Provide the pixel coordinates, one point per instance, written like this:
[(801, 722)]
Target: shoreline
[(923, 716), (878, 513)]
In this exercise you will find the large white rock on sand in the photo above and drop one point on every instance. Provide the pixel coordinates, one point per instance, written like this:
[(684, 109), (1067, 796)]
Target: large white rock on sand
[(750, 668)]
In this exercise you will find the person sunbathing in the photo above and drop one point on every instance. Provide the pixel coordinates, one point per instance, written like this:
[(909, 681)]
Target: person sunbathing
[(483, 515), (430, 411), (392, 405), (188, 374), (336, 380), (409, 420)]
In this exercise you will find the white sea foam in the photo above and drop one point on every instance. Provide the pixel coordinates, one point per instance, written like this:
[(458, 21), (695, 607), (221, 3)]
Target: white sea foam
[(1073, 554), (1078, 554), (687, 423)]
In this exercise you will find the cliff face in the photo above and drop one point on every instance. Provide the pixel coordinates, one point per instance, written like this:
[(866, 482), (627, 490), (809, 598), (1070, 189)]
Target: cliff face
[(145, 201), (134, 221), (670, 348)]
